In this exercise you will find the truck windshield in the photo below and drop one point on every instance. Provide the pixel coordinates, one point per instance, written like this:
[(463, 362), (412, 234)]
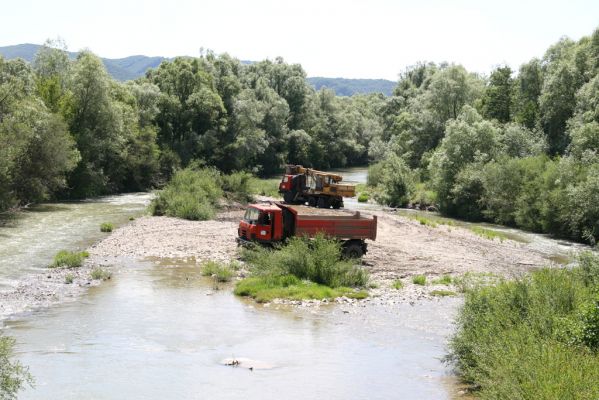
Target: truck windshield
[(251, 215)]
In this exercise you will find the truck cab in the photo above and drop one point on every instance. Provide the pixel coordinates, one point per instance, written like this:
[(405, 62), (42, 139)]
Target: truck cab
[(261, 223)]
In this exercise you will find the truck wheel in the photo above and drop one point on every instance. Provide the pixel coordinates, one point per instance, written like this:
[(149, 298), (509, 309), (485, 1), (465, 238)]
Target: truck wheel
[(289, 197), (353, 250), (337, 204), (323, 202), (312, 201)]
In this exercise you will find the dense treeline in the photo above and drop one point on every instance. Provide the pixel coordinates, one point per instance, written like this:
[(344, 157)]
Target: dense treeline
[(68, 130), (517, 149)]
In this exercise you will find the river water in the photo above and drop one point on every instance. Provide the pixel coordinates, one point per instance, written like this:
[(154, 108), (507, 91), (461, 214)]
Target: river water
[(160, 330)]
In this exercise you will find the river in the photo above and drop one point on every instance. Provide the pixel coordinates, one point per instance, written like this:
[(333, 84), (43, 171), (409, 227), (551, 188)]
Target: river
[(160, 330)]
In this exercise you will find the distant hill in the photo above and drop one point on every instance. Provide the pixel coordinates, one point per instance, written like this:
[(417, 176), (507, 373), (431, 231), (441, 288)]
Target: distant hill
[(348, 87), (122, 69), (133, 67)]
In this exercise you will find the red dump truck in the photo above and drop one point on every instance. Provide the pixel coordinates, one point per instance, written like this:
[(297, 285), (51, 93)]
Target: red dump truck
[(274, 222)]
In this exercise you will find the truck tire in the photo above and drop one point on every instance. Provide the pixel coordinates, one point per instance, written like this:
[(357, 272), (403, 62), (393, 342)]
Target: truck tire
[(337, 204), (289, 197), (312, 201), (352, 250), (323, 202)]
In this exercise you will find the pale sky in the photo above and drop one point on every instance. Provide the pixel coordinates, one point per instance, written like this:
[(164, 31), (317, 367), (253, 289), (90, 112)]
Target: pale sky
[(332, 38)]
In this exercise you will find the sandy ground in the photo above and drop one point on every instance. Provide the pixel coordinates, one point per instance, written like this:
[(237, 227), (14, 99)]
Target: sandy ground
[(403, 248)]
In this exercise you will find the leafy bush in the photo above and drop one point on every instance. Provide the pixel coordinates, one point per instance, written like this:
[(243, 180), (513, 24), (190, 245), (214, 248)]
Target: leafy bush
[(191, 194), (221, 272), (419, 280), (106, 227), (395, 181), (68, 259), (444, 280), (535, 337), (237, 186), (13, 375), (363, 197), (265, 187)]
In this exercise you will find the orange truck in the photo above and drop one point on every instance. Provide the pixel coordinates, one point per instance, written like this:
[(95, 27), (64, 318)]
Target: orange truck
[(273, 222)]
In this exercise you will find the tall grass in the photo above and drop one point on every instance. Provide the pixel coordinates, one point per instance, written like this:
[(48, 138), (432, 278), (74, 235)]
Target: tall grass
[(533, 338), (301, 264), (68, 259)]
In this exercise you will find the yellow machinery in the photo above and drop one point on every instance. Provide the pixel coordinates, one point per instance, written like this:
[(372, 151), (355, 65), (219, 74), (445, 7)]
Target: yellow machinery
[(317, 188)]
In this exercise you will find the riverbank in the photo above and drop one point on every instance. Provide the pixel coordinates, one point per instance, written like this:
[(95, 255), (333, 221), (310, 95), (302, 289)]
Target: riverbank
[(404, 249)]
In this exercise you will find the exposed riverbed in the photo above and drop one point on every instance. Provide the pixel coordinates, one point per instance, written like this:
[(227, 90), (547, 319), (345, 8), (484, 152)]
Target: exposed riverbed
[(158, 329)]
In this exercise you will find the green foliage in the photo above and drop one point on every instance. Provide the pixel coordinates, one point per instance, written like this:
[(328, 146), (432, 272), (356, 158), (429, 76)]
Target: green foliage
[(100, 274), (191, 194), (488, 233), (69, 259), (69, 278), (265, 187), (442, 293), (397, 284), (302, 269), (395, 182), (220, 272), (318, 260), (106, 227), (237, 186), (265, 288), (535, 337), (497, 101), (419, 280), (13, 375), (363, 197), (444, 280)]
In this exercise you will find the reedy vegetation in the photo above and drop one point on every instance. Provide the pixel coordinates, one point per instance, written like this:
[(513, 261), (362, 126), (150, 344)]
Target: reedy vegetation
[(536, 337)]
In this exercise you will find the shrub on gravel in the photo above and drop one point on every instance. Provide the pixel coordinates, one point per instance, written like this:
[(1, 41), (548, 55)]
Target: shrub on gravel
[(536, 337), (302, 267), (68, 259), (419, 280), (100, 274), (106, 227)]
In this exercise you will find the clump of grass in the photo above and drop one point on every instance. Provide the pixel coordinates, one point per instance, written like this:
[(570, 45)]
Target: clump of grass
[(310, 268), (131, 218), (443, 293), (68, 259), (534, 337), (397, 284), (488, 233), (419, 280), (220, 272), (106, 227), (69, 278), (444, 280), (264, 289), (100, 274), (237, 186), (474, 280), (265, 187), (373, 285), (363, 197)]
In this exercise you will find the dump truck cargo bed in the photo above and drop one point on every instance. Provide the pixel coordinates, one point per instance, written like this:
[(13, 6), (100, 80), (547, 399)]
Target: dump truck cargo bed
[(340, 224)]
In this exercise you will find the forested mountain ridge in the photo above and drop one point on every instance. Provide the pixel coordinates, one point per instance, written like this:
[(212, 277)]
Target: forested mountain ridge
[(518, 149), (133, 67), (122, 69)]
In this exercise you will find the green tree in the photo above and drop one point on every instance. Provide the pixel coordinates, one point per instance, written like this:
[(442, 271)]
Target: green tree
[(497, 101)]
